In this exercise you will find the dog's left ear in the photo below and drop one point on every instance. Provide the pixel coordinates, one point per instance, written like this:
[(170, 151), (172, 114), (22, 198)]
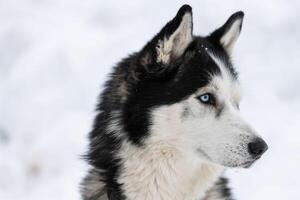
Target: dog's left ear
[(169, 44), (227, 34)]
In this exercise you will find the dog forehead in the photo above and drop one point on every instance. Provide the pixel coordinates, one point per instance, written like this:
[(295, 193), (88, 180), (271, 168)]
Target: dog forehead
[(226, 83)]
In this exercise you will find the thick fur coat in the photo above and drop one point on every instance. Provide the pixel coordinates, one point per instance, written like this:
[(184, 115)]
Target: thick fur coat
[(168, 121)]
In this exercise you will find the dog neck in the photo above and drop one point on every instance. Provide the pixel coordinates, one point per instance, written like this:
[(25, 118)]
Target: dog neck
[(162, 172)]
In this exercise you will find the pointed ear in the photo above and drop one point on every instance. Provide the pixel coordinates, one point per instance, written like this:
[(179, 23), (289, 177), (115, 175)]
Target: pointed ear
[(171, 42), (227, 35)]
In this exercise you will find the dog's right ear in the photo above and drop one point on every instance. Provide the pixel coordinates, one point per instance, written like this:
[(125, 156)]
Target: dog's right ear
[(227, 34), (169, 44)]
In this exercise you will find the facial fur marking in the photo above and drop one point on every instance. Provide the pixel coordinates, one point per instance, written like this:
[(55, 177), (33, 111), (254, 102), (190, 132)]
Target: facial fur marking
[(225, 73), (219, 110), (186, 111)]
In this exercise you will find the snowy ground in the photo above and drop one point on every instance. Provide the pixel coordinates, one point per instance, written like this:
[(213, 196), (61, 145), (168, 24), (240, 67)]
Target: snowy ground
[(54, 56)]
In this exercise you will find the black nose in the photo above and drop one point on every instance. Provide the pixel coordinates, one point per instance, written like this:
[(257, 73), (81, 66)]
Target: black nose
[(257, 147)]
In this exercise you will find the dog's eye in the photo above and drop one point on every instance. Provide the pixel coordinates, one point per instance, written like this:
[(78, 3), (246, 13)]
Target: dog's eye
[(207, 98)]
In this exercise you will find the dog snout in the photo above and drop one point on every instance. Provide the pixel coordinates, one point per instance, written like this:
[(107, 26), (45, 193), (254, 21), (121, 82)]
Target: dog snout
[(257, 147)]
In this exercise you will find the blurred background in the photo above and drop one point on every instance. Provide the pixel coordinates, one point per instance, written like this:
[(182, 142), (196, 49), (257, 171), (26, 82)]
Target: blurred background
[(54, 58)]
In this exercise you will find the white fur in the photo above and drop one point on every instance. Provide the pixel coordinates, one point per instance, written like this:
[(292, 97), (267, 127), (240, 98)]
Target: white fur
[(174, 45), (229, 38), (164, 171)]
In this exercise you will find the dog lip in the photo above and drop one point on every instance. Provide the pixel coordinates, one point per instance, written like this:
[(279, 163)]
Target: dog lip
[(257, 157), (247, 164)]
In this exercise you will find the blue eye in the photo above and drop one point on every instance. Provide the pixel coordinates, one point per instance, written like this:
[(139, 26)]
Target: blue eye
[(206, 98)]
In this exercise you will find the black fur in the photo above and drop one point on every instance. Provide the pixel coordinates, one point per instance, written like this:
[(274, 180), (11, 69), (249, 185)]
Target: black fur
[(137, 84), (220, 190), (188, 73)]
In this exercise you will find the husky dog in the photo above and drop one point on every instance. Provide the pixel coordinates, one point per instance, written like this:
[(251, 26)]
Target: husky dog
[(168, 120)]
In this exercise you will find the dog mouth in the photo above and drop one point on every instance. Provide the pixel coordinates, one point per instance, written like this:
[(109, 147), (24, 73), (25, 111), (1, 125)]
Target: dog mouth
[(248, 164)]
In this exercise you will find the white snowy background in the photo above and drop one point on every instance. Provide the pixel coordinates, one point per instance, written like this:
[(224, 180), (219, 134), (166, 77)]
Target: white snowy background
[(54, 57)]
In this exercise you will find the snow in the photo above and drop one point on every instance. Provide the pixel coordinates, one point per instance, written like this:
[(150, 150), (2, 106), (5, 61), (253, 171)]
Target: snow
[(54, 57)]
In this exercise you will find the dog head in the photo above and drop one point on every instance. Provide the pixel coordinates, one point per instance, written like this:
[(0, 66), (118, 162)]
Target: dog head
[(188, 94)]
